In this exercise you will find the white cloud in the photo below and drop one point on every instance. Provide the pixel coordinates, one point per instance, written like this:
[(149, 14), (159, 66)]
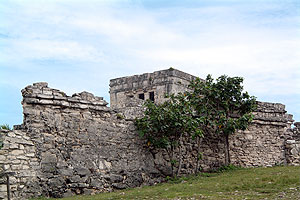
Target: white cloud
[(259, 41), (48, 49)]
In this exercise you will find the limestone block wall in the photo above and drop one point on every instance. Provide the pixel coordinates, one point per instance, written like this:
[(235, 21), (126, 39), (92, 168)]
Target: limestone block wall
[(211, 148), (126, 89), (75, 144), (292, 146), (18, 155), (262, 144)]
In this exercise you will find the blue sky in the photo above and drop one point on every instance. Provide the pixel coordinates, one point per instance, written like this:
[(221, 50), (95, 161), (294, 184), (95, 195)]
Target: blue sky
[(81, 45)]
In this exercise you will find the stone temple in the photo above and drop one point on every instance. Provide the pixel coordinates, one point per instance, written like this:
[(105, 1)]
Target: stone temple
[(69, 145), (151, 86)]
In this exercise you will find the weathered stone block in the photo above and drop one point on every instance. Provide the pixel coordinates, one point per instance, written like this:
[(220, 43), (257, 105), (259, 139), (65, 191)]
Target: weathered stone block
[(68, 193), (119, 185), (2, 158), (96, 183), (49, 168), (114, 178), (290, 141), (17, 152), (48, 158), (40, 85), (82, 171)]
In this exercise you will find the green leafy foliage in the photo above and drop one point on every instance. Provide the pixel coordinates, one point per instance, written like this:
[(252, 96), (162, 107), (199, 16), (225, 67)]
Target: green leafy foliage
[(222, 106), (5, 126), (212, 106), (164, 125), (120, 116)]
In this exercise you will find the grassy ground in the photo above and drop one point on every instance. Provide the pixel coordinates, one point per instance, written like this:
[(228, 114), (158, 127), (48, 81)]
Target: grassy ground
[(256, 183)]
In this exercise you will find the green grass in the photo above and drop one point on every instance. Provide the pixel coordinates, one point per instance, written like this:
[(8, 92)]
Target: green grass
[(256, 183)]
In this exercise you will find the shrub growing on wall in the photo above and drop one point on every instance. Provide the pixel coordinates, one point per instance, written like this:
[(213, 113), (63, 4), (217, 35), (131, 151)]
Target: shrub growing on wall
[(210, 106), (222, 105), (164, 125), (5, 127)]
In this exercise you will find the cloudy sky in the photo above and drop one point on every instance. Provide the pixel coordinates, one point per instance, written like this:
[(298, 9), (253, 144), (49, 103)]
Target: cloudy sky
[(81, 45)]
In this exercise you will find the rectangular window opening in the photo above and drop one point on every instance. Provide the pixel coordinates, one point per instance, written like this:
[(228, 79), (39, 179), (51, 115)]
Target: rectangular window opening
[(151, 96), (142, 96)]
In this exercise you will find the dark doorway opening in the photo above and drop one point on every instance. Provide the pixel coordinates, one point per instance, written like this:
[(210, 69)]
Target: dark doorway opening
[(151, 96)]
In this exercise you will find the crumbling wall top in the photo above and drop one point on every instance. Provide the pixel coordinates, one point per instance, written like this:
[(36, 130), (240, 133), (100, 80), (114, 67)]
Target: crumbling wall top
[(40, 93), (157, 74)]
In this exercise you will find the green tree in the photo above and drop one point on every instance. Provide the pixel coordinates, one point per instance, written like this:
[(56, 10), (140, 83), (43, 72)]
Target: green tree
[(164, 125), (208, 107), (222, 106)]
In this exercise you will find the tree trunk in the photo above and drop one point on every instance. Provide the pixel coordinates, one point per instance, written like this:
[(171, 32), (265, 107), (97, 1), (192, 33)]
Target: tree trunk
[(198, 155), (180, 156), (171, 155), (227, 155)]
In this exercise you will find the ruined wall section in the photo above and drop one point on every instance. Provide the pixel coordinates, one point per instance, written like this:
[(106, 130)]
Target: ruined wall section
[(18, 155), (80, 145), (263, 143), (292, 146), (77, 145), (126, 89)]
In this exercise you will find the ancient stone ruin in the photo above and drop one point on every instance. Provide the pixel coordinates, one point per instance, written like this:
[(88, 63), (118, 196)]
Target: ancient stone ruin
[(70, 145)]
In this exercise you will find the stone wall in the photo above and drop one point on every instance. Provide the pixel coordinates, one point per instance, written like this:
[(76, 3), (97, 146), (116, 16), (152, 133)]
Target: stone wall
[(18, 154), (124, 90), (292, 146), (262, 144), (75, 144)]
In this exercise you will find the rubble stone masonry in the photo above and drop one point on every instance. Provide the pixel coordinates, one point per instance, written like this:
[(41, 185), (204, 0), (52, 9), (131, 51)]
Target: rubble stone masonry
[(70, 145)]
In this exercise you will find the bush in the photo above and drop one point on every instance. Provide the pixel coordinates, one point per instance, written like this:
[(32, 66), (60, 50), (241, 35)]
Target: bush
[(5, 127)]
